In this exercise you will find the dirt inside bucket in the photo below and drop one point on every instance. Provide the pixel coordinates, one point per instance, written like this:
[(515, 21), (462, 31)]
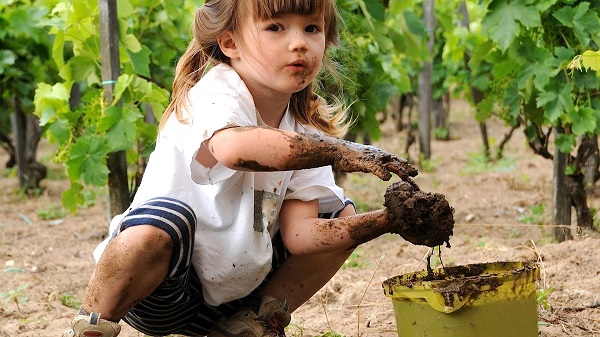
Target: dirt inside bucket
[(459, 282), (422, 218)]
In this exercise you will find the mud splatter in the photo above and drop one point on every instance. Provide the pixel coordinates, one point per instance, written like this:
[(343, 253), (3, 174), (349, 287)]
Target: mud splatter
[(317, 150), (308, 70), (309, 151), (420, 218), (253, 165)]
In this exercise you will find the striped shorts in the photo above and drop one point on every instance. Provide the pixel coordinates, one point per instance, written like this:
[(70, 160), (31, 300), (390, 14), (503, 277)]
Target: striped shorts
[(177, 305)]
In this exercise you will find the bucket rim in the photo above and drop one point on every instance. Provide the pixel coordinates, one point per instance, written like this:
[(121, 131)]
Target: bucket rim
[(448, 295)]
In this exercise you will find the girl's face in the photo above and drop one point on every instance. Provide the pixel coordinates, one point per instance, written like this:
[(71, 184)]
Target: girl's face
[(281, 54)]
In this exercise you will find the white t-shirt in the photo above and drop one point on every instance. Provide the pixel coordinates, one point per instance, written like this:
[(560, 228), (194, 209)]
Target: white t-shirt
[(237, 211)]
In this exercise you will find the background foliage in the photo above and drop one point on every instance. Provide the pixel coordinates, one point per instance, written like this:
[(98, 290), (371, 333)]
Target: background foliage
[(527, 57)]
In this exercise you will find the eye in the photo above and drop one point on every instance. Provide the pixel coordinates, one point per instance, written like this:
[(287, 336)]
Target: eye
[(313, 29), (275, 28)]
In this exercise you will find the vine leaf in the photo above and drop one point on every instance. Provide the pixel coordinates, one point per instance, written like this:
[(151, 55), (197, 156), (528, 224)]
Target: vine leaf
[(121, 130), (503, 20), (88, 159), (556, 101), (540, 62), (583, 121), (7, 59), (591, 60), (583, 21), (141, 61), (73, 196), (565, 142)]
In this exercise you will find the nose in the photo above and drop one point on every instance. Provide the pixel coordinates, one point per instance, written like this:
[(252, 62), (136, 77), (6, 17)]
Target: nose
[(298, 42)]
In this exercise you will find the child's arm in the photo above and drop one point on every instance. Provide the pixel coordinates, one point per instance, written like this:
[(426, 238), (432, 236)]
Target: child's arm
[(268, 149), (420, 218), (305, 234)]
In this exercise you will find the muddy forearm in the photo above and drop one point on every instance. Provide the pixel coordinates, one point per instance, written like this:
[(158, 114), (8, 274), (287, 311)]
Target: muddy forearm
[(285, 151), (266, 149), (341, 233), (263, 149), (368, 226)]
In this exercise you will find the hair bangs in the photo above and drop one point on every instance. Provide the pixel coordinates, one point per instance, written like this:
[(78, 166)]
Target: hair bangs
[(266, 9)]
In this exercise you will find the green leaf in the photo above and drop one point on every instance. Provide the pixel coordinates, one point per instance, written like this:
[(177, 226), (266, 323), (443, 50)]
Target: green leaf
[(570, 170), (87, 158), (58, 48), (414, 24), (82, 67), (543, 5), (586, 81), (73, 197), (60, 130), (111, 116), (484, 110), (7, 59), (122, 84), (374, 8), (538, 69), (125, 9), (583, 121), (584, 22), (141, 61), (131, 43), (22, 23), (504, 17), (54, 97), (532, 113), (47, 116), (566, 142), (591, 60), (121, 136), (556, 102), (122, 132), (511, 99)]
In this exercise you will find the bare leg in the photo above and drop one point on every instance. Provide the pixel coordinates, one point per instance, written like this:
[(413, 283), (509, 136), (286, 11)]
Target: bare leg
[(134, 263), (300, 277)]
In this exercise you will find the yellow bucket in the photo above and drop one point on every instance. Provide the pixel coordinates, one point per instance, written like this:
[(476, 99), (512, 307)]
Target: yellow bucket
[(486, 299)]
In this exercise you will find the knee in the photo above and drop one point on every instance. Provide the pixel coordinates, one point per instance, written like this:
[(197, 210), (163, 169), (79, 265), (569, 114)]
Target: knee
[(145, 241)]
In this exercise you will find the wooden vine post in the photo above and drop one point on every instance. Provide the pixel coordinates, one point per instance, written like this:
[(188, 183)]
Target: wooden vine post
[(109, 45), (425, 84), (561, 197), (476, 94)]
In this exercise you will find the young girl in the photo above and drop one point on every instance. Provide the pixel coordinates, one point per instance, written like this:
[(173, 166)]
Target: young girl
[(238, 221)]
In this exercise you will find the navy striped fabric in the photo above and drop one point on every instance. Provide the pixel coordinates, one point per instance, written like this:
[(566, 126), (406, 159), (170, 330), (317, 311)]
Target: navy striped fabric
[(177, 305)]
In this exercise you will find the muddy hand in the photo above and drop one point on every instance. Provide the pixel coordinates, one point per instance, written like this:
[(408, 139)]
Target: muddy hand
[(420, 218), (369, 159)]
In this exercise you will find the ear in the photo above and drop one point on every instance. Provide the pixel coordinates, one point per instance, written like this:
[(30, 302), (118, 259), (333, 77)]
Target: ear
[(228, 45)]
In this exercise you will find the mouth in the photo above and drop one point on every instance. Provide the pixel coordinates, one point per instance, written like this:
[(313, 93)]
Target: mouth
[(298, 64)]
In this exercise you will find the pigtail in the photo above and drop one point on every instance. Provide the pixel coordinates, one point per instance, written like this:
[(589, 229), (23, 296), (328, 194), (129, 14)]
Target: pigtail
[(203, 51), (189, 70)]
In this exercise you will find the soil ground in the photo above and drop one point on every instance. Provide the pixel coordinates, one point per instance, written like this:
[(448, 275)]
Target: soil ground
[(503, 213)]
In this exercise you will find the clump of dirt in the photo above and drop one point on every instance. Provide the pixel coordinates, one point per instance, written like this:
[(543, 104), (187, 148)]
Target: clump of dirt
[(422, 218)]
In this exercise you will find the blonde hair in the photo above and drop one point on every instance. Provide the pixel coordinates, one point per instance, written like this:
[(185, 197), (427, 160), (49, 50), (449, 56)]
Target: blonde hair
[(218, 16)]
